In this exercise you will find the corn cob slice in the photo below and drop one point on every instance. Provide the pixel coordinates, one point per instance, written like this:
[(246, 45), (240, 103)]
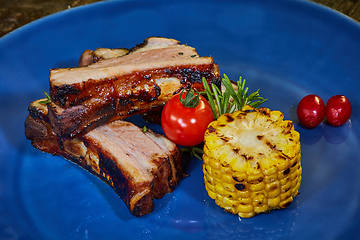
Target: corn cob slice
[(252, 161)]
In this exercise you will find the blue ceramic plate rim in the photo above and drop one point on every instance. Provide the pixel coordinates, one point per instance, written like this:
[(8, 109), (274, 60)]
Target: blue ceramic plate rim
[(317, 6), (339, 17)]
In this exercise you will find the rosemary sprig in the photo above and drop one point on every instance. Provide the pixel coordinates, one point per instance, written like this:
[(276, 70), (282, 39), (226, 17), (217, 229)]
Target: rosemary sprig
[(231, 100), (48, 99), (193, 151)]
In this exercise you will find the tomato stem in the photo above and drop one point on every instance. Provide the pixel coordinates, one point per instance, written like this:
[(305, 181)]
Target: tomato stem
[(191, 99)]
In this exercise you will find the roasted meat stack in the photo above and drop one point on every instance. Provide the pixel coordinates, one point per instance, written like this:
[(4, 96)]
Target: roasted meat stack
[(82, 120)]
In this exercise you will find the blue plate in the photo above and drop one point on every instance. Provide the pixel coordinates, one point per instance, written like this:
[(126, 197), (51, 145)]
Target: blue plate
[(286, 48)]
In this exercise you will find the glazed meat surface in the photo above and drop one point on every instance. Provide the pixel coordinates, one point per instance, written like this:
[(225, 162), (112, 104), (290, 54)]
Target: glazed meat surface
[(115, 88)]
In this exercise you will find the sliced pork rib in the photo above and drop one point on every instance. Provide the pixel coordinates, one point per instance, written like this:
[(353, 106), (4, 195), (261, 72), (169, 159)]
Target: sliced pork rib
[(138, 166), (115, 88)]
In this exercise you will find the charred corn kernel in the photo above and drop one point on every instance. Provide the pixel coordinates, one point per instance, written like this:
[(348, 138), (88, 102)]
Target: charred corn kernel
[(272, 186), (252, 161)]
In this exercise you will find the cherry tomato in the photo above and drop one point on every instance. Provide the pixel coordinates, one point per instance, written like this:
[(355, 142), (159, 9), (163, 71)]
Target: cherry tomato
[(184, 125), (311, 111), (338, 110)]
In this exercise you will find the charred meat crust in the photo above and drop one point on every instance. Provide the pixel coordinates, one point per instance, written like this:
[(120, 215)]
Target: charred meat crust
[(71, 122), (37, 113), (35, 128), (75, 94), (38, 133), (153, 116), (161, 177), (58, 93)]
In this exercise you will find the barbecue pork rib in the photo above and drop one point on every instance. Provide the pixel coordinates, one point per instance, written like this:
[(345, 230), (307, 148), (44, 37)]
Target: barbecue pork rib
[(138, 166), (115, 88)]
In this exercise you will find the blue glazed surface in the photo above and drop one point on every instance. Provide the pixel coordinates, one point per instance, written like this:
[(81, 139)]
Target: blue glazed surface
[(286, 48)]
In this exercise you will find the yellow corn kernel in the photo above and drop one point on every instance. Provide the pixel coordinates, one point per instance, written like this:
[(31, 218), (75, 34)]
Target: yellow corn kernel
[(270, 171), (270, 178), (260, 209), (245, 208), (244, 201), (285, 195), (274, 202), (274, 193), (257, 187)]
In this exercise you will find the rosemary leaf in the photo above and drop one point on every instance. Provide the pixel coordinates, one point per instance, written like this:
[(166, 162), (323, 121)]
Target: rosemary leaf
[(229, 87), (244, 94), (217, 99), (48, 99), (193, 151), (197, 152), (258, 103), (210, 98), (226, 99), (254, 94), (232, 109)]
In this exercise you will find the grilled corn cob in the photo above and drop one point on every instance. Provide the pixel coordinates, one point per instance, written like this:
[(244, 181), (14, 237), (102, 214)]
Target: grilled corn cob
[(252, 161)]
